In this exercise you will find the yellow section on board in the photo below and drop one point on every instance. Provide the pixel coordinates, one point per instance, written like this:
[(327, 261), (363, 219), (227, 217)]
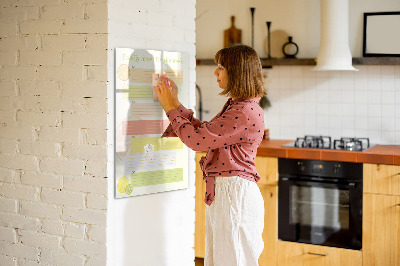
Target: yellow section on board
[(137, 144), (123, 180), (121, 187), (124, 186)]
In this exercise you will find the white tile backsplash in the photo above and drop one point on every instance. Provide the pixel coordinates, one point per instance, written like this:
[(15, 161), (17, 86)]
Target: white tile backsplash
[(374, 97), (364, 103), (388, 111), (388, 97), (387, 72), (374, 110)]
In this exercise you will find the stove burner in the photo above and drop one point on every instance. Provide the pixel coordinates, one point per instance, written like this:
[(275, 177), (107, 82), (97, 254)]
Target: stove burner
[(351, 144), (308, 141), (324, 142)]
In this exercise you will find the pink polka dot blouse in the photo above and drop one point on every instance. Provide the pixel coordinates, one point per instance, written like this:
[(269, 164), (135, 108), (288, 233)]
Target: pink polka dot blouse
[(231, 139)]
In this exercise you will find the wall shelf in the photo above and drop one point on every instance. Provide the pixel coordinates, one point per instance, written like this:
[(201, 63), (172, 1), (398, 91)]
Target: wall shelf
[(312, 61)]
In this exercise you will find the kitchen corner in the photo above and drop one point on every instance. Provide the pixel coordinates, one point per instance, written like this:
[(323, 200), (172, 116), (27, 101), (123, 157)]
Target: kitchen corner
[(374, 199)]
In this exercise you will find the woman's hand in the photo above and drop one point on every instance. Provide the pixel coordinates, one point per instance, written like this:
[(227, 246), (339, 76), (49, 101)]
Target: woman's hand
[(174, 90), (164, 94)]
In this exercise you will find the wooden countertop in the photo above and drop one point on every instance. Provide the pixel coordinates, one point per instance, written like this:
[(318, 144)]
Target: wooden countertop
[(379, 154)]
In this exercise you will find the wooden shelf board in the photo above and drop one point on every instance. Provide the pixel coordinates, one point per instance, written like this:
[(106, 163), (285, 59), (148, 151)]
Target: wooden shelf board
[(312, 61)]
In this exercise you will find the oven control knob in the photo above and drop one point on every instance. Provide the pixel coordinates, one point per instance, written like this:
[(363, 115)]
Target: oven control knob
[(302, 167), (336, 169)]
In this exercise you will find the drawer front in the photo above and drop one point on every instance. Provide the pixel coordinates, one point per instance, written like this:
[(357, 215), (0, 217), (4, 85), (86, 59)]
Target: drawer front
[(381, 179), (293, 254)]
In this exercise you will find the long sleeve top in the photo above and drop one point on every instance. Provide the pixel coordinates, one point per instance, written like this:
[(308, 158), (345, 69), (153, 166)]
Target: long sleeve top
[(231, 139)]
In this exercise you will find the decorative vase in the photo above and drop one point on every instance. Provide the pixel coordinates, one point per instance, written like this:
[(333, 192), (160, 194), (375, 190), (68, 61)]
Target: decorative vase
[(290, 49)]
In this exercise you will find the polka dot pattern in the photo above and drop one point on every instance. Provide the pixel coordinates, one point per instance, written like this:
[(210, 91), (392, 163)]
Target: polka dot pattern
[(231, 139)]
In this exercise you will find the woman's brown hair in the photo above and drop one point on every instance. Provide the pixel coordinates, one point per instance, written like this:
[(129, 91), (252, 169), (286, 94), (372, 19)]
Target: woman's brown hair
[(245, 78)]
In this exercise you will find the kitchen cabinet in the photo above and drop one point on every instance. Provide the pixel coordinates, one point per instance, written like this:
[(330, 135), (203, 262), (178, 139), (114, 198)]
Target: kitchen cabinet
[(381, 215), (270, 233), (267, 167), (381, 230), (298, 254), (200, 207), (381, 179)]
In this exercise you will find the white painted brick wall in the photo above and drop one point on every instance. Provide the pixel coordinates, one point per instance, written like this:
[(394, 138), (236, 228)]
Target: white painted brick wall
[(35, 239), (7, 175), (17, 191), (97, 234), (19, 251), (84, 247), (8, 234), (19, 221), (96, 201), (75, 230), (41, 179), (40, 210), (86, 183), (63, 197), (6, 260), (88, 216), (53, 108), (53, 227), (61, 258), (8, 205), (53, 133), (96, 169)]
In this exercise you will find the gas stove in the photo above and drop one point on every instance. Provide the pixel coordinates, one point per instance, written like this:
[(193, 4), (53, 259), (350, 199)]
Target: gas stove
[(325, 142)]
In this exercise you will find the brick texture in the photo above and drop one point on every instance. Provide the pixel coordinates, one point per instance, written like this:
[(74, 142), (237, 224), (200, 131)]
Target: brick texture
[(53, 57)]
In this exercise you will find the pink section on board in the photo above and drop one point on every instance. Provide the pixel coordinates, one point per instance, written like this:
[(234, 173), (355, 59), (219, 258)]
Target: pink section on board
[(143, 127)]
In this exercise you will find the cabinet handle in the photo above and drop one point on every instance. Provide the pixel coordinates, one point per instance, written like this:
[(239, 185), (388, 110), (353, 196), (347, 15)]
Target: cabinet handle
[(398, 204), (318, 254)]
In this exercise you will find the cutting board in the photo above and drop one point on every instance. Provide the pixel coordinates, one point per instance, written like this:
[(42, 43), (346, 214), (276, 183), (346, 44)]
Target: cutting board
[(232, 35)]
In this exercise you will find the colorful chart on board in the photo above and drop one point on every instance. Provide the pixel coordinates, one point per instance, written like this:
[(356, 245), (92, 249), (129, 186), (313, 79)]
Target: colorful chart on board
[(145, 163)]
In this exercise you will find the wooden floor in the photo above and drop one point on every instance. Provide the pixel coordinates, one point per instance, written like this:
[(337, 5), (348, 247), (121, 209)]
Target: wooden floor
[(199, 262)]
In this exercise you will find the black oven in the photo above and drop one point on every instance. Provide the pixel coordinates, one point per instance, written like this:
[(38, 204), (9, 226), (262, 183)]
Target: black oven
[(320, 202)]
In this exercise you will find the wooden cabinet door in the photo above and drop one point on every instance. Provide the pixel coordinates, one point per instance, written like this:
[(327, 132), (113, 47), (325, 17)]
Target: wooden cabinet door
[(200, 207), (381, 179), (381, 230), (298, 254), (267, 168), (270, 233)]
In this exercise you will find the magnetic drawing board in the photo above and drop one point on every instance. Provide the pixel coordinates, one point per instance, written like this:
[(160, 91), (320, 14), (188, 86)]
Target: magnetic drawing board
[(144, 162)]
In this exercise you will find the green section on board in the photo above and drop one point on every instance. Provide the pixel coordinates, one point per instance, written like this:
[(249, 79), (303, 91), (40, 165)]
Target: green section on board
[(157, 177)]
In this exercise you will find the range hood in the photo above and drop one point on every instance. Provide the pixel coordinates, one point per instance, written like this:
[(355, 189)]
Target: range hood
[(334, 51)]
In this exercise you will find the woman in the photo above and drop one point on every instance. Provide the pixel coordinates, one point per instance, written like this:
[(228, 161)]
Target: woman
[(235, 207)]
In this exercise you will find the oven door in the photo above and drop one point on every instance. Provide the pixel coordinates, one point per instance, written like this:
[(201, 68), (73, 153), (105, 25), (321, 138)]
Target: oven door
[(320, 212)]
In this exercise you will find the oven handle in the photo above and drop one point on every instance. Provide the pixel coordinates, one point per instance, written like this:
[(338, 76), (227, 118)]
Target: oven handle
[(297, 181)]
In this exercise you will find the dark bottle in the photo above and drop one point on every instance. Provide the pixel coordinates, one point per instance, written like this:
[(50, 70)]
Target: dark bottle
[(290, 49)]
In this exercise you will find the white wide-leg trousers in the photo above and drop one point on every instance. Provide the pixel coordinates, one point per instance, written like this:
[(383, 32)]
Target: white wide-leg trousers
[(234, 223)]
